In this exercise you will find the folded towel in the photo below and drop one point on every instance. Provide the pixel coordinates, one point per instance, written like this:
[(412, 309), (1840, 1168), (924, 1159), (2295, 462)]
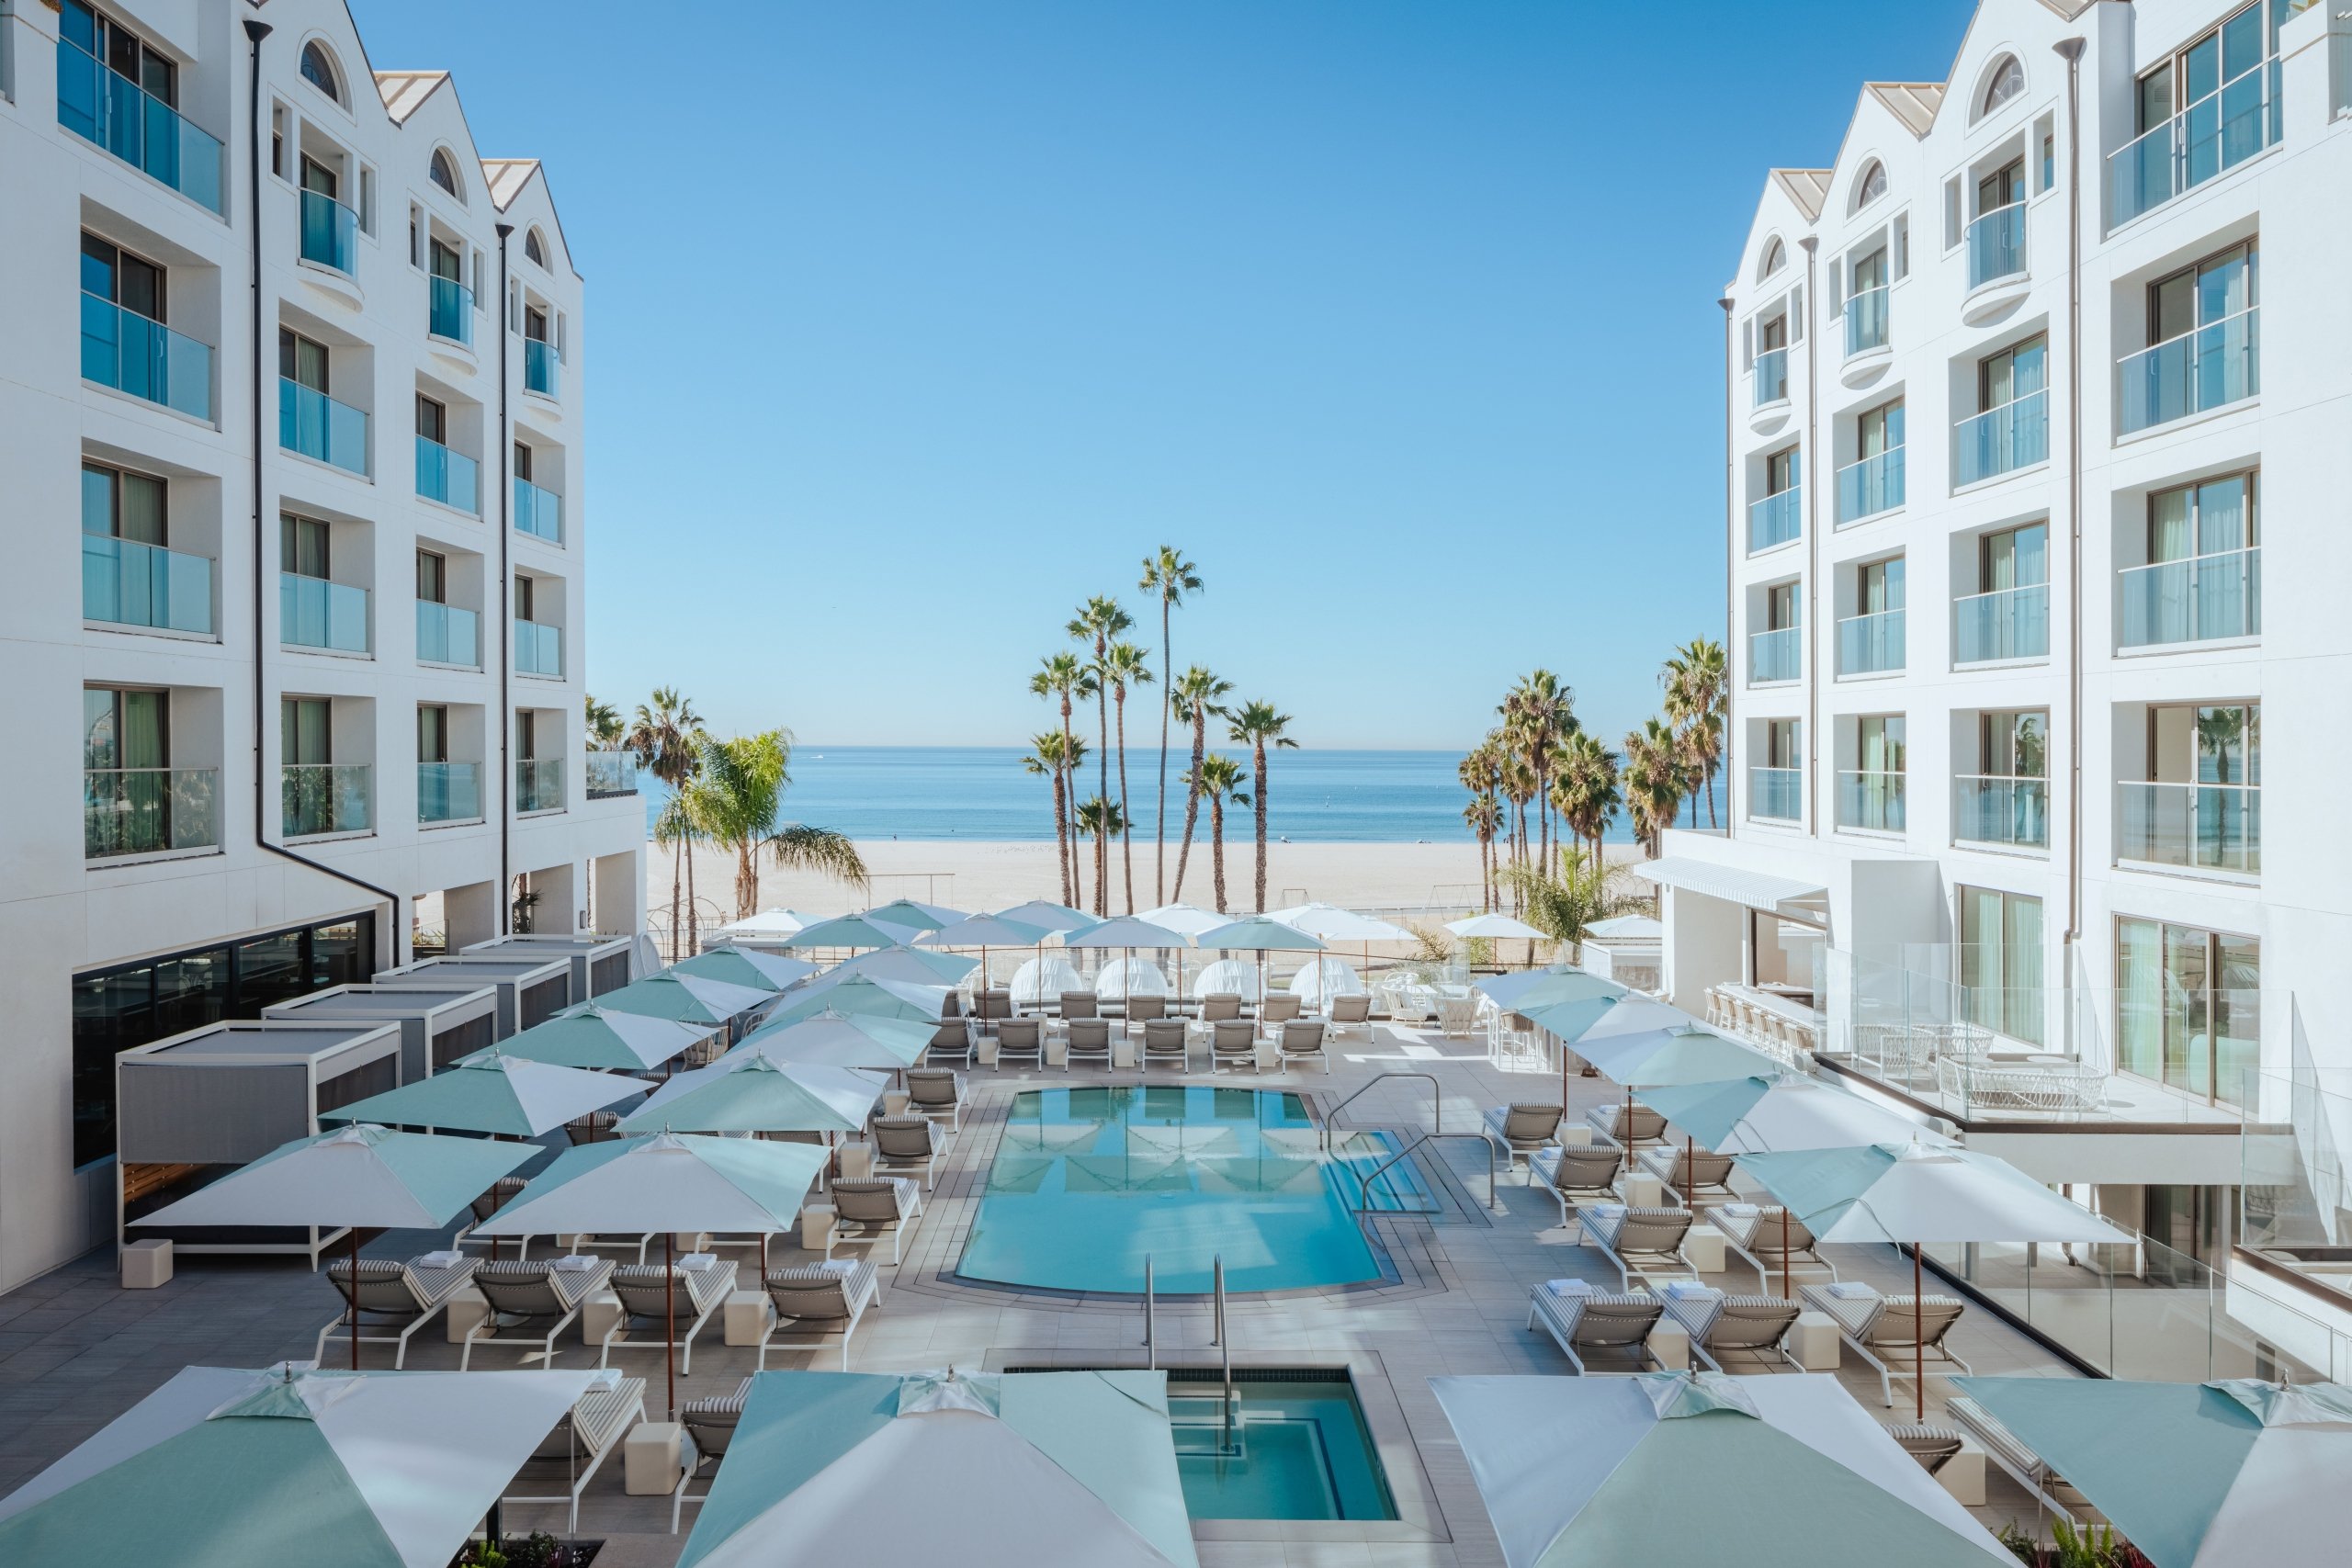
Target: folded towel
[(1568, 1287), (574, 1263), (1688, 1289), (699, 1261), (1549, 1151), (605, 1378), (1608, 1210), (1851, 1291), (837, 1266), (1743, 1211), (448, 1257)]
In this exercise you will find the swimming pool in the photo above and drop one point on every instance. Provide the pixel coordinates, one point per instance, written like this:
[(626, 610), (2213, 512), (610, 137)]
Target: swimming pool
[(1089, 1182), (1296, 1449)]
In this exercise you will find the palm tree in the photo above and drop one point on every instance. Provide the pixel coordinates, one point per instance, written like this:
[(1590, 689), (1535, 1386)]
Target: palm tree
[(1100, 820), (735, 800), (1098, 621), (1047, 756), (1170, 576), (1583, 789), (1196, 698), (1697, 683), (1126, 665), (1478, 774), (604, 721), (1063, 676), (1516, 781), (1653, 781), (1217, 779), (1563, 906), (1258, 725), (1482, 818), (667, 740), (1537, 714)]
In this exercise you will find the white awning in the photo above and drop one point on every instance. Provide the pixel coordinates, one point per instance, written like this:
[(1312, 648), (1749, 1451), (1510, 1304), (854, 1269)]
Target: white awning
[(1758, 891)]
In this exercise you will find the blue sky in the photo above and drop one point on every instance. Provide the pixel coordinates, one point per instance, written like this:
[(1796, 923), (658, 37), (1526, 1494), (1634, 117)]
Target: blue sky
[(911, 325)]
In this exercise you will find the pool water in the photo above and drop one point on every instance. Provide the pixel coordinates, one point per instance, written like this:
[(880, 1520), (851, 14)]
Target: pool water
[(1090, 1181), (1299, 1448)]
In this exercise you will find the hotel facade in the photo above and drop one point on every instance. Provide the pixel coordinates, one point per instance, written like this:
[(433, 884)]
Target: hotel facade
[(302, 694)]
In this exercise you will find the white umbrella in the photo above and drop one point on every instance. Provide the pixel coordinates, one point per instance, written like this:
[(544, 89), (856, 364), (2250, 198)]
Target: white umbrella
[(1498, 926), (1333, 923), (1318, 982), (1184, 919), (1045, 913), (1130, 977), (985, 931), (770, 925), (1627, 928), (492, 1092)]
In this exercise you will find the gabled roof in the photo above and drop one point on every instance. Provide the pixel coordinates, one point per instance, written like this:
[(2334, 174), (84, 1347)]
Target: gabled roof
[(1913, 103), (406, 91), (507, 176), (1807, 187)]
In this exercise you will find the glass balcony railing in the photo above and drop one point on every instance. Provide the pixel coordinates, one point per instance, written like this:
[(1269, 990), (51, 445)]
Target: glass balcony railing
[(538, 649), (2196, 600), (1776, 519), (1775, 656), (542, 367), (1996, 245), (330, 232), (2216, 134), (2201, 825), (448, 476), (141, 811), (2209, 368), (2002, 440), (103, 105), (1870, 487), (1873, 801), (125, 584), (2009, 623), (315, 613), (538, 511), (315, 425), (610, 773), (1994, 809), (449, 310), (539, 783), (1777, 794), (124, 350), (1869, 645), (449, 792), (446, 634), (1865, 321), (328, 797)]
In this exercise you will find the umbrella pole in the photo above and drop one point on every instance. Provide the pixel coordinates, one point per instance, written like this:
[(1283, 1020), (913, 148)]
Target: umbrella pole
[(355, 1298), (1918, 1342), (1785, 1252), (1629, 1110), (670, 1311)]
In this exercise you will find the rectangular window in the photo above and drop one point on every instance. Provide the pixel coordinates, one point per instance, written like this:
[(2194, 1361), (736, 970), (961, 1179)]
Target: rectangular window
[(1878, 743), (2188, 1007), (366, 211), (526, 734), (431, 732), (2012, 374), (302, 545), (113, 274), (1879, 429), (443, 260), (2211, 518), (301, 361), (415, 235), (2214, 289), (121, 505), (277, 139), (433, 576), (1870, 270), (2013, 745), (1782, 470), (305, 736), (1901, 246), (1783, 743), (2005, 186), (521, 460), (319, 178), (1877, 586), (432, 420), (535, 324), (1955, 225), (2014, 558), (1780, 607), (2001, 963), (2046, 138), (525, 595)]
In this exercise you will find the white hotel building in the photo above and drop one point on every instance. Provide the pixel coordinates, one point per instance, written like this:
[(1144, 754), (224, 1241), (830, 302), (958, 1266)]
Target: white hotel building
[(2039, 529), (307, 368)]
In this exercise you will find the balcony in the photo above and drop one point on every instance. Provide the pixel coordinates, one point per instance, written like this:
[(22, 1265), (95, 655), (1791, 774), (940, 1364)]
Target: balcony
[(1989, 808), (539, 783), (2211, 136), (1870, 487), (2008, 622), (144, 811), (1996, 245), (1776, 793), (450, 477), (1870, 645), (538, 649), (449, 792), (330, 234), (449, 310), (2199, 827), (315, 613), (125, 584), (611, 771), (1775, 657), (1869, 801), (1865, 321), (538, 511), (1776, 519), (2197, 600), (2002, 440), (2205, 368), (1772, 377), (124, 350), (105, 106), (542, 367), (328, 797), (314, 425), (447, 634)]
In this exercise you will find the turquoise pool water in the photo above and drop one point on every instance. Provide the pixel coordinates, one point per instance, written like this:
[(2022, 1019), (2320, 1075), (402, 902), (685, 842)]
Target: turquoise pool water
[(1088, 1182), (1299, 1450)]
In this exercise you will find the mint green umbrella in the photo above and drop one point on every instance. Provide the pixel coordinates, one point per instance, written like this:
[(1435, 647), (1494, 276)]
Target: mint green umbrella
[(851, 930), (687, 999), (862, 997), (908, 965), (588, 1035), (842, 1040), (748, 1091), (1564, 1005), (768, 972), (492, 1092), (913, 916)]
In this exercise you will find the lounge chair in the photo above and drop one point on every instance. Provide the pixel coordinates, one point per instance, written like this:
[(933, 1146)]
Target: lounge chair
[(653, 1298), (1757, 1234), (1573, 1174), (884, 1203), (935, 1092), (991, 1009), (1081, 1004), (1627, 1127), (827, 1299), (1166, 1040), (568, 1457), (711, 1424), (1520, 1129), (1233, 1043), (954, 1037), (592, 1128), (501, 1193), (1350, 1012), (1090, 1038), (902, 1142), (1723, 1327), (1301, 1041), (529, 1295), (2025, 1467), (1882, 1329), (1218, 1005), (408, 1295), (1590, 1323), (1457, 1016), (1144, 1009), (1933, 1446), (1641, 1244), (1022, 1037), (1279, 1008), (1690, 1176)]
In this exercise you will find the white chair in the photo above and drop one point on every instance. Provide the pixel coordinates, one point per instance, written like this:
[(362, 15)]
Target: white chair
[(1457, 1016)]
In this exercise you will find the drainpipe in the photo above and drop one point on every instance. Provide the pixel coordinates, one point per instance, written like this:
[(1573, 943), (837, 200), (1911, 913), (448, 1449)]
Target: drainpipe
[(1808, 457), (1731, 554), (2071, 51), (257, 31), (506, 610)]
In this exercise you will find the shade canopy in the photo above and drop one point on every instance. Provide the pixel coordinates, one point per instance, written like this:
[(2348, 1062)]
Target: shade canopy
[(1041, 980), (1736, 885), (739, 966), (914, 917), (751, 1090), (1496, 926), (907, 965), (769, 925), (1228, 976), (1600, 1471), (863, 995), (1258, 933), (1626, 927), (1320, 979), (1125, 931), (1123, 977), (842, 1040), (365, 1177), (589, 1035), (492, 1092), (687, 999), (1637, 1015), (1044, 913), (852, 930), (1025, 1470), (1653, 1058), (225, 1468), (1333, 923), (670, 1182), (984, 930), (1915, 1193), (1505, 990), (1781, 1112), (1184, 919)]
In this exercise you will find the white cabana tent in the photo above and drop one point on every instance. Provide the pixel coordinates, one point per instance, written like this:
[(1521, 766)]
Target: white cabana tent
[(1324, 978), (1122, 976), (770, 925), (1237, 976), (1041, 980)]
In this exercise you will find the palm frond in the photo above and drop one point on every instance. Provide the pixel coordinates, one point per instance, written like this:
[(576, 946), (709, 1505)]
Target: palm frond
[(800, 846)]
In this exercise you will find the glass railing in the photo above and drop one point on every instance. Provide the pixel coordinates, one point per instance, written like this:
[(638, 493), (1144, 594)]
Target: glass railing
[(2209, 368), (1923, 1016), (316, 426), (1871, 801), (2008, 622), (1988, 808), (2217, 132), (538, 649), (1776, 519), (1996, 244), (125, 584), (104, 106), (1866, 320), (1871, 486), (328, 797), (2293, 1194), (2002, 440), (450, 477), (539, 783), (124, 350), (542, 367), (330, 232), (446, 634), (1773, 376), (449, 310), (2195, 600), (610, 773), (1868, 645), (1776, 792), (1775, 655), (140, 811), (538, 511), (315, 613), (2199, 825), (449, 792)]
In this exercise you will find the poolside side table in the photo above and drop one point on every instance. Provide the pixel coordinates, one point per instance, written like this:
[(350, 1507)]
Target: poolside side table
[(817, 1227), (1671, 1343), (467, 1309), (599, 1316), (1963, 1474), (1123, 1054), (1269, 1057), (984, 1051), (749, 1313), (146, 1264), (653, 1456), (857, 1161), (1814, 1341), (1704, 1245), (894, 1103), (1056, 1050)]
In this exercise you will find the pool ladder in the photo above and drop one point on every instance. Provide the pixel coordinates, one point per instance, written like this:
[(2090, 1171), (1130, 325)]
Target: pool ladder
[(1220, 1338)]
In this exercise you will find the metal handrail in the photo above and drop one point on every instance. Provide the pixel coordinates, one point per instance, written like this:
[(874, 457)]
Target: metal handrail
[(1494, 1202), (1224, 1405), (1436, 1101), (1150, 1334)]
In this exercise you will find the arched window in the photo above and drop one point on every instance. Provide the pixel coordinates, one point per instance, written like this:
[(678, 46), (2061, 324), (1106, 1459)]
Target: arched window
[(1870, 187), (318, 70), (535, 252), (2006, 81), (1776, 256), (443, 171)]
